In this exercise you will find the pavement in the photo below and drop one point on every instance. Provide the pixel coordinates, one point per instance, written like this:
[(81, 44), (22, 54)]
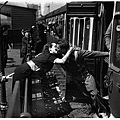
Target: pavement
[(13, 61)]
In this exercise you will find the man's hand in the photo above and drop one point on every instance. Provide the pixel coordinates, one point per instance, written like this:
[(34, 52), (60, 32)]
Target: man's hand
[(63, 60), (77, 48)]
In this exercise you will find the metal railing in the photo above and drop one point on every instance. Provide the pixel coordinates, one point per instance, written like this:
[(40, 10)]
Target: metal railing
[(25, 113), (15, 108)]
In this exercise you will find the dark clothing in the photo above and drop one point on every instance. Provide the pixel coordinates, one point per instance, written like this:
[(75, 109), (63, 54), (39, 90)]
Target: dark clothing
[(21, 73), (78, 66), (59, 31), (5, 49), (92, 54), (24, 49), (41, 38), (24, 45), (78, 71), (44, 61), (39, 46)]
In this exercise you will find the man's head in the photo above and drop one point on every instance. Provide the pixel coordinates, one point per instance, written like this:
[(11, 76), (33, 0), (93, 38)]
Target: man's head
[(26, 34), (63, 46)]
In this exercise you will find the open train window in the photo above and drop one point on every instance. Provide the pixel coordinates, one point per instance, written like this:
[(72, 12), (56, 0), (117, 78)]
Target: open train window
[(115, 45), (81, 32), (76, 31)]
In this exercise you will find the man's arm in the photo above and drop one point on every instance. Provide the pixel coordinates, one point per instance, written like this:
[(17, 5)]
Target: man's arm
[(85, 53), (63, 60), (92, 54)]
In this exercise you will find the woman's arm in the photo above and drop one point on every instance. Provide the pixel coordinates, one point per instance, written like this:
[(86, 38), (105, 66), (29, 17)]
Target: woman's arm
[(63, 60)]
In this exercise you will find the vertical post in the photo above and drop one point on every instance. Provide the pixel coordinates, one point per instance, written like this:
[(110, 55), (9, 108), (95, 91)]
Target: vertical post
[(90, 34), (3, 104)]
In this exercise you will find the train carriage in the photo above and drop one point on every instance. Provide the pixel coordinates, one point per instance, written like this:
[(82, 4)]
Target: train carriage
[(113, 82)]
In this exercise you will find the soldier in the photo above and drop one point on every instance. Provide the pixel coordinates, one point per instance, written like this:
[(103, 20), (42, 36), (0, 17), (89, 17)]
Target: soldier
[(77, 68)]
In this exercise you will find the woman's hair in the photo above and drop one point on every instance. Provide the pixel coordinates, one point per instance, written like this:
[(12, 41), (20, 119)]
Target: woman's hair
[(47, 46)]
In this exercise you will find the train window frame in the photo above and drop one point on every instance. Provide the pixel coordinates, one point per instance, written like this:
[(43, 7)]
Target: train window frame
[(79, 27), (115, 33)]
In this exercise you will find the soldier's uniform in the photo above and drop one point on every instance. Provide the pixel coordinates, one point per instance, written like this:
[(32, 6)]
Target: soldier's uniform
[(80, 73)]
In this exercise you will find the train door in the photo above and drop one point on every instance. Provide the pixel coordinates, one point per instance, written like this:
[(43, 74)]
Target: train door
[(114, 78), (81, 34), (86, 31)]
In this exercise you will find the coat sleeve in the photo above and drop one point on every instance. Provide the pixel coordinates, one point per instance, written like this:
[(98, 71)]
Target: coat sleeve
[(92, 54)]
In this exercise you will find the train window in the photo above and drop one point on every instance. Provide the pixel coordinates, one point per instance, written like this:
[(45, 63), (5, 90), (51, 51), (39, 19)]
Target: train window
[(86, 33), (64, 25), (71, 30), (80, 33), (91, 34), (76, 31)]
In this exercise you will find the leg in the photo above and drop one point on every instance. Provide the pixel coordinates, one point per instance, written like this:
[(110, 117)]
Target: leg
[(80, 82), (21, 73)]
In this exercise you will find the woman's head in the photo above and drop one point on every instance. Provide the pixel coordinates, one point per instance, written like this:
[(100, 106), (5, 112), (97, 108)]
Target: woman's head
[(51, 47)]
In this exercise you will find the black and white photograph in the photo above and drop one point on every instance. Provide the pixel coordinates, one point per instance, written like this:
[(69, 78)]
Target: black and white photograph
[(59, 59)]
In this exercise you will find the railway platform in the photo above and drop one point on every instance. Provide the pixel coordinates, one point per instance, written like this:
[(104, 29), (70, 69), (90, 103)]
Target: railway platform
[(79, 110)]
